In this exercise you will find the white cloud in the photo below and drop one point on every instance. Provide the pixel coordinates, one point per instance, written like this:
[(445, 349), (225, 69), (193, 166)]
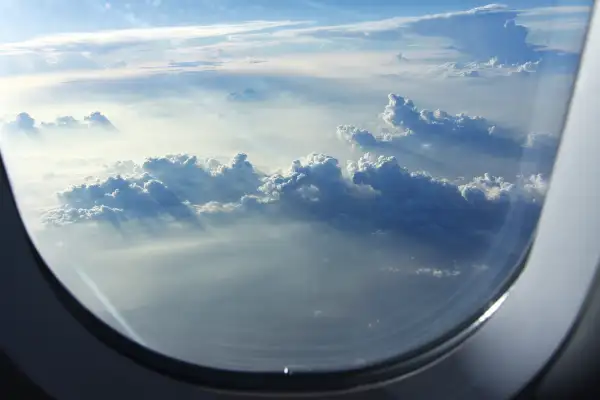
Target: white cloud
[(25, 123), (481, 33), (556, 10), (425, 127), (372, 194), (489, 69), (137, 35)]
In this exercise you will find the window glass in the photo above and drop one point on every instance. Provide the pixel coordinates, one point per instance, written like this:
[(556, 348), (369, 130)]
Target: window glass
[(260, 185)]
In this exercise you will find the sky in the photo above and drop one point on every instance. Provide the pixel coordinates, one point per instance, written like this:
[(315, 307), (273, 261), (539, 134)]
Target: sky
[(284, 184)]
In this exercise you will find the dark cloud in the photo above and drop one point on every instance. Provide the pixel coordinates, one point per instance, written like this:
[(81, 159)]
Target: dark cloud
[(401, 57), (377, 194), (371, 195), (27, 124)]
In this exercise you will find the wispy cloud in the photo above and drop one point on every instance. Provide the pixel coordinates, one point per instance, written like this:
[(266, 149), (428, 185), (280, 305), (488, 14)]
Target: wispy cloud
[(128, 36), (556, 11)]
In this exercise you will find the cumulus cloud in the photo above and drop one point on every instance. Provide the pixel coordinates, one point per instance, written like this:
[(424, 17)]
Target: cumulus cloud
[(374, 194), (481, 34), (488, 69), (160, 187), (492, 32), (23, 122), (117, 199), (27, 124), (378, 194), (201, 181), (359, 137), (440, 126), (414, 126), (98, 120)]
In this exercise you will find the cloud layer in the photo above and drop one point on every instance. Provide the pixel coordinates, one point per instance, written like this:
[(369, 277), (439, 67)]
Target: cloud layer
[(489, 36), (160, 188), (25, 123), (483, 32), (414, 127), (480, 34), (492, 33), (374, 194)]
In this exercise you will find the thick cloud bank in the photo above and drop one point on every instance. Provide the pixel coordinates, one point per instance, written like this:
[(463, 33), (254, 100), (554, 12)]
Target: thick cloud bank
[(414, 126), (25, 123), (491, 32), (372, 195), (164, 187)]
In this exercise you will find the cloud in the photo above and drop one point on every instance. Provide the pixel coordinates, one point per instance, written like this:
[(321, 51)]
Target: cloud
[(246, 95), (108, 39), (30, 62), (117, 199), (193, 64), (481, 33), (201, 181), (159, 188), (378, 194), (98, 120), (108, 49), (164, 84), (492, 32), (417, 127), (359, 137), (490, 68), (24, 123), (556, 10), (374, 194)]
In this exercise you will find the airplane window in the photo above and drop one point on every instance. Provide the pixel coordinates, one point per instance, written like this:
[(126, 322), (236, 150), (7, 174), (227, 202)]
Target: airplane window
[(285, 185)]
